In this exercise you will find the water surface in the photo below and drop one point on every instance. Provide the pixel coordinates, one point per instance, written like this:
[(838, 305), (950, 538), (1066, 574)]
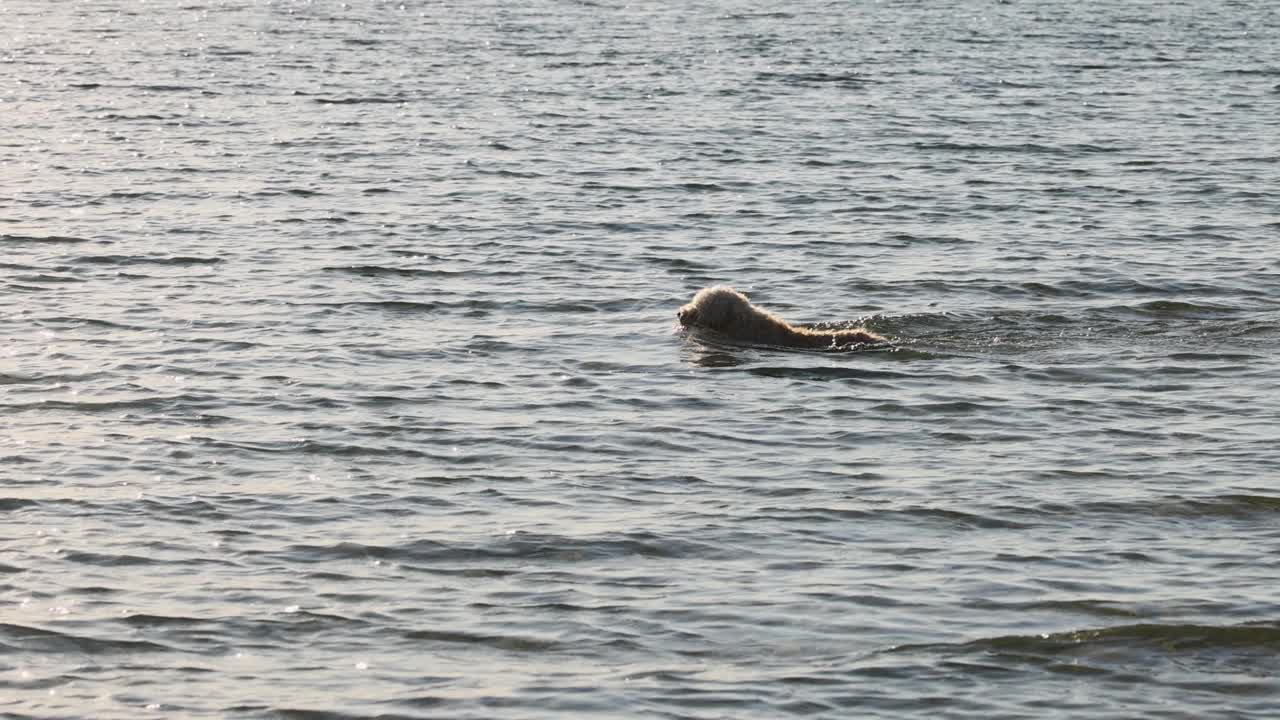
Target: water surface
[(340, 373)]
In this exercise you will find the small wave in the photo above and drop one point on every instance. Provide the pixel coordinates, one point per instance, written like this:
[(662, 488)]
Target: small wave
[(504, 173), (310, 447), (331, 219), (52, 378), (1139, 640), (17, 460), (175, 260), (959, 519), (49, 279), (71, 321), (954, 520), (128, 118), (60, 239), (1182, 309), (360, 100), (104, 406), (105, 560), (478, 307), (1264, 72), (762, 14), (224, 51), (295, 192), (1215, 357), (1093, 607), (1232, 506), (21, 288), (828, 373), (384, 271), (395, 305), (502, 642), (954, 407), (20, 638), (146, 620), (1071, 150), (841, 79), (1235, 506), (520, 546)]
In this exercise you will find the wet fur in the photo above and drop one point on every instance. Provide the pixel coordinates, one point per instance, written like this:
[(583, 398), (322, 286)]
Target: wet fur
[(730, 313)]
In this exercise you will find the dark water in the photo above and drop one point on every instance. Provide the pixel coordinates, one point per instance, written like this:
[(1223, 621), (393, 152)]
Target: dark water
[(339, 377)]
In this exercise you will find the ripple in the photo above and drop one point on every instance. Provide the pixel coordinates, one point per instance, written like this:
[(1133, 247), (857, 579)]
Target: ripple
[(1126, 644), (16, 637), (518, 546), (41, 239), (127, 260)]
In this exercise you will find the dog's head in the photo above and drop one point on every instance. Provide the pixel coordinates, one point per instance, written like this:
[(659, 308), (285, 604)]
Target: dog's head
[(714, 308)]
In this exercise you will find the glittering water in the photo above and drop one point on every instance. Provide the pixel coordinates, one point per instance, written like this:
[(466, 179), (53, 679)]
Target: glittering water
[(340, 378)]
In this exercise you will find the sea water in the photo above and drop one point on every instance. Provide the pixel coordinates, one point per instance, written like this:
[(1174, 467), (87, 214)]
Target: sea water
[(340, 379)]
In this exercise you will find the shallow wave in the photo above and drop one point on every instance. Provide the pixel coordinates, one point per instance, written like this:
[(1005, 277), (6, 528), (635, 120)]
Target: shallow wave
[(1232, 506), (1071, 150), (22, 638), (1178, 310), (37, 239), (127, 260), (1129, 645), (365, 100), (519, 546), (825, 373), (384, 271), (88, 405)]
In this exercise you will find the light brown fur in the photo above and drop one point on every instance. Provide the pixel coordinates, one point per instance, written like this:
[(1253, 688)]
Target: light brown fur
[(730, 313)]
